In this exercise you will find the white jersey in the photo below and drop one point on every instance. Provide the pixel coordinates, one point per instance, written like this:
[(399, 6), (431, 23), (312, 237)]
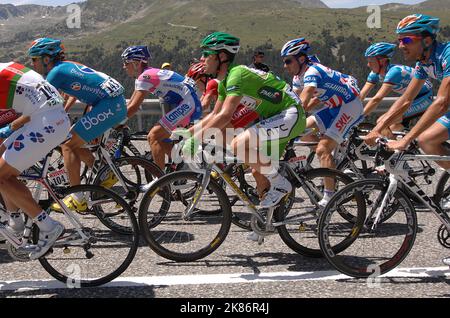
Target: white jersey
[(25, 91)]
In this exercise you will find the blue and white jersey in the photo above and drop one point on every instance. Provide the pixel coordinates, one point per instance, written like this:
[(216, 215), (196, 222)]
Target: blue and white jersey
[(84, 83), (399, 76), (438, 66), (333, 88)]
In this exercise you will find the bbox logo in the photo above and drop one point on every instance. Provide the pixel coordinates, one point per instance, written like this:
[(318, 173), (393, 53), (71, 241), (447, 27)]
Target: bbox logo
[(178, 113), (88, 123), (343, 121)]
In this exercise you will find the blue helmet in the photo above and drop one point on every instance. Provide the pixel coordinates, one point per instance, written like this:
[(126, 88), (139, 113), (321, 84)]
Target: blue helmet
[(136, 53), (381, 49), (418, 23), (295, 47), (45, 46)]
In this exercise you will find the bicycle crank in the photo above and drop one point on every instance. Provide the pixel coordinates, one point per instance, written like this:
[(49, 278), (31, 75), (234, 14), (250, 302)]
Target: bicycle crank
[(444, 236)]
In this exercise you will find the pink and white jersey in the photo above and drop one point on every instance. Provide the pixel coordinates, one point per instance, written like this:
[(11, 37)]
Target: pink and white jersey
[(177, 91)]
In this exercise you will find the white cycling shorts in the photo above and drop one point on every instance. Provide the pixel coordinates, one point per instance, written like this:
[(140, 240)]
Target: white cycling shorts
[(36, 139), (337, 122)]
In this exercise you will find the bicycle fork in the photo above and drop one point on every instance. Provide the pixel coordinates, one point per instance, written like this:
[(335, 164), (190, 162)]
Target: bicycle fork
[(393, 183)]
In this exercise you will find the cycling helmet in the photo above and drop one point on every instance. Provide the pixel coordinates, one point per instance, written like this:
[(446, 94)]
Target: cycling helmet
[(196, 71), (381, 49), (295, 47), (136, 53), (418, 23), (218, 41), (45, 46)]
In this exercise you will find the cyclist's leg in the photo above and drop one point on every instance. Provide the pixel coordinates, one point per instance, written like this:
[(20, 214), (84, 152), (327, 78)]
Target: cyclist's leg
[(259, 147), (106, 114), (338, 124), (180, 117), (430, 141)]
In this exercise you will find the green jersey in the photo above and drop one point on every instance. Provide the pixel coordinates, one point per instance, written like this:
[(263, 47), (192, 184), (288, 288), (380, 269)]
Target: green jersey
[(263, 93)]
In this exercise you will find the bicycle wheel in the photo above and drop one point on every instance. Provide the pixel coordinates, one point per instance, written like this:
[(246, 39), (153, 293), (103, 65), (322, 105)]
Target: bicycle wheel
[(103, 254), (299, 224), (363, 249), (136, 172), (442, 193), (175, 237)]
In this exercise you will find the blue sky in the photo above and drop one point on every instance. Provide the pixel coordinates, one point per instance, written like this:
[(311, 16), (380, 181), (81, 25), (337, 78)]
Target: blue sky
[(330, 3)]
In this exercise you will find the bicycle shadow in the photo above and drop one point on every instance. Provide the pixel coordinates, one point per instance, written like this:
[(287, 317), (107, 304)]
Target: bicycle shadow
[(5, 257)]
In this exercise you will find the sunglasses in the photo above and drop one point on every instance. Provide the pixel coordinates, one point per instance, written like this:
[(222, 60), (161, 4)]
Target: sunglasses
[(34, 59), (409, 39), (288, 61), (205, 54)]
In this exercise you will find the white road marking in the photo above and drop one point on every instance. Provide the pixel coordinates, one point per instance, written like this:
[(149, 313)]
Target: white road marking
[(430, 272)]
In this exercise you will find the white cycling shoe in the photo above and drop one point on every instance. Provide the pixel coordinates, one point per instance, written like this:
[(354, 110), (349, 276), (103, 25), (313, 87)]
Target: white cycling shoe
[(446, 261), (46, 241), (279, 188)]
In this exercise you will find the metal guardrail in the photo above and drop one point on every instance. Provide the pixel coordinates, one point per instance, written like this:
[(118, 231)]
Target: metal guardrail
[(152, 107)]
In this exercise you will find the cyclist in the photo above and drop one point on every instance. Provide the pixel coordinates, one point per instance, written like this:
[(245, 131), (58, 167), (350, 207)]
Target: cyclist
[(99, 90), (338, 92), (42, 125), (176, 90), (263, 94), (417, 40), (395, 78)]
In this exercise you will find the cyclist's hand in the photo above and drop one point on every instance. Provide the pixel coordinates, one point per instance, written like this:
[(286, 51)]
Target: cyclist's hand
[(371, 137), (190, 147), (398, 144)]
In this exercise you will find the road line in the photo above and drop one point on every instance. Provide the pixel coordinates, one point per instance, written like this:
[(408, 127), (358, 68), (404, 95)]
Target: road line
[(430, 272)]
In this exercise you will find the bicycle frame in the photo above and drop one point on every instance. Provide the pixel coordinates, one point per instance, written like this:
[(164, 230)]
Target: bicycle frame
[(43, 182), (399, 175)]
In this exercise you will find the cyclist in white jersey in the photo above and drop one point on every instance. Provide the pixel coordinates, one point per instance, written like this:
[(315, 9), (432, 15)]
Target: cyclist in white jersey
[(43, 125), (318, 84)]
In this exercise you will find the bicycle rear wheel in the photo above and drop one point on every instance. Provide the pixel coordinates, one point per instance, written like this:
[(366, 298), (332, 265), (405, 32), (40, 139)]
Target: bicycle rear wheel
[(361, 249), (176, 237), (104, 254), (299, 229)]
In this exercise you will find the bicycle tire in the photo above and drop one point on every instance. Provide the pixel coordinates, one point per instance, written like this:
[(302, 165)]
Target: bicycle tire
[(156, 240), (280, 214), (359, 234), (51, 261)]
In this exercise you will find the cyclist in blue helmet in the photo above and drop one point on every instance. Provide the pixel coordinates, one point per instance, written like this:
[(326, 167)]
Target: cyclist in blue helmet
[(336, 93), (102, 92), (175, 90), (394, 78), (417, 40)]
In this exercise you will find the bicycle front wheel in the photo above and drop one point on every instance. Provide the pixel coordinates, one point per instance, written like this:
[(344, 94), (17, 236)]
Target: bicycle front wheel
[(170, 232), (90, 254), (367, 248)]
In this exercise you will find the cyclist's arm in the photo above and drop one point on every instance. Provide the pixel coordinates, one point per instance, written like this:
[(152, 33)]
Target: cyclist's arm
[(220, 118), (297, 91), (309, 101), (437, 109), (136, 100), (375, 101), (71, 100), (401, 105), (366, 90), (207, 100), (20, 122)]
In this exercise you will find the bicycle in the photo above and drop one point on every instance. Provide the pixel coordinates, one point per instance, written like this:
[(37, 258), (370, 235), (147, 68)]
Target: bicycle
[(375, 244), (75, 257), (175, 229)]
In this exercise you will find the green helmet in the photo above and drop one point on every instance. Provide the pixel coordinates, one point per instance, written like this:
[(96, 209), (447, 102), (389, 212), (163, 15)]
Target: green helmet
[(218, 41)]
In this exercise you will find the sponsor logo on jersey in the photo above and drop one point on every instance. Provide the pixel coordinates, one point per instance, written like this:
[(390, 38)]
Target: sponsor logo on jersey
[(271, 94), (178, 113), (89, 122), (75, 86), (338, 89), (85, 69), (343, 121), (232, 88), (250, 102)]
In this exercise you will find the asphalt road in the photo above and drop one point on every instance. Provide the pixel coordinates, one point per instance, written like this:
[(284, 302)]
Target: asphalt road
[(242, 268)]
